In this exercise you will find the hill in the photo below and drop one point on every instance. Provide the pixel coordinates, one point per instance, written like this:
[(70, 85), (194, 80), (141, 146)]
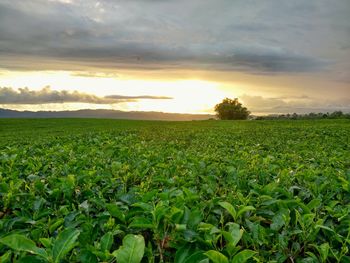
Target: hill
[(105, 114)]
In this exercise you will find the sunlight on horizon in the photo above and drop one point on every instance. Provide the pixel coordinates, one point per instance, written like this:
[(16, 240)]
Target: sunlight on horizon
[(189, 96)]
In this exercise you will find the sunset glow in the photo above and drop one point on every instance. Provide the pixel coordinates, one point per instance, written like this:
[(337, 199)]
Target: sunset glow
[(147, 49), (188, 96)]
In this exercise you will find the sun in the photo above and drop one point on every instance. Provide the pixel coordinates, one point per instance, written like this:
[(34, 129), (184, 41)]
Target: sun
[(189, 96)]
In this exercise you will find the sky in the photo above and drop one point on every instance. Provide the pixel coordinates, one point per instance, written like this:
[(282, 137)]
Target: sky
[(185, 56)]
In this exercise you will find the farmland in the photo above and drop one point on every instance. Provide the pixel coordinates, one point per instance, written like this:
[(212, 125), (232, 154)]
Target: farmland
[(74, 190)]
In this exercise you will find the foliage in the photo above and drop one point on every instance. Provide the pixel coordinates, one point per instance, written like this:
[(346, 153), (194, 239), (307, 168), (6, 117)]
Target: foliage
[(230, 109), (309, 116), (184, 192)]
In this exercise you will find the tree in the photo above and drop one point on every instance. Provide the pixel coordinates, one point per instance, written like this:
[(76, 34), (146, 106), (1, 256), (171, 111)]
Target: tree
[(230, 109), (336, 115)]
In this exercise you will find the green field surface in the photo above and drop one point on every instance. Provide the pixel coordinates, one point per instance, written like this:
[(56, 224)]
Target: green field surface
[(85, 190)]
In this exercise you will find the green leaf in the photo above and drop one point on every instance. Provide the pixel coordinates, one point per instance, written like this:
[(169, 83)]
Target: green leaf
[(243, 256), (216, 256), (141, 222), (229, 209), (146, 207), (182, 254), (315, 203), (311, 259), (194, 219), (132, 249), (114, 210), (22, 243), (180, 227), (87, 256), (308, 219), (46, 242), (31, 259), (234, 235), (196, 257), (5, 258), (245, 209), (325, 227), (187, 254), (323, 250), (64, 243), (280, 219), (106, 241), (55, 225), (176, 215), (277, 222)]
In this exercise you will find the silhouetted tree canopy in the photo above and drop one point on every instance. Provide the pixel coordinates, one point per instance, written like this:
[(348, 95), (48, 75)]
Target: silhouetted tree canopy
[(308, 116), (230, 109)]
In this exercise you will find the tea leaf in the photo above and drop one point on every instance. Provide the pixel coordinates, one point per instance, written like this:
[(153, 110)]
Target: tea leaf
[(132, 249), (216, 256), (64, 243), (22, 243), (243, 256)]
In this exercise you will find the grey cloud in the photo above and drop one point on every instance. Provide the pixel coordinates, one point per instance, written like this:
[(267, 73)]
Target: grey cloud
[(149, 56), (120, 97), (298, 104), (206, 34), (278, 62), (47, 95), (90, 74)]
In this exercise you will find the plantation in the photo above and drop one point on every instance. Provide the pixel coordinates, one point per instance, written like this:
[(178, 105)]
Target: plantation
[(185, 192)]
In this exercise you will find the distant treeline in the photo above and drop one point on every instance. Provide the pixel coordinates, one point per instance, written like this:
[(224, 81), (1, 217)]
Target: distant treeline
[(312, 115)]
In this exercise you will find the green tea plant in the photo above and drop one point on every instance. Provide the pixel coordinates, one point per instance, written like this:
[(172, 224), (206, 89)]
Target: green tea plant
[(184, 192)]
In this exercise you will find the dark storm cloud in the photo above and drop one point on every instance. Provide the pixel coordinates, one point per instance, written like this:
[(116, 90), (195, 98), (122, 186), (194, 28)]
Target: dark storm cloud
[(47, 95), (251, 36)]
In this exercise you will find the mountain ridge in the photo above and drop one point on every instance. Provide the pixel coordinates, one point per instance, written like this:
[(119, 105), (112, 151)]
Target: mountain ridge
[(105, 114)]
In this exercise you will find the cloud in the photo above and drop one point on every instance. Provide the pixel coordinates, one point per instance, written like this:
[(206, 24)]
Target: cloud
[(200, 34), (47, 96), (145, 97), (92, 74), (270, 62), (298, 104)]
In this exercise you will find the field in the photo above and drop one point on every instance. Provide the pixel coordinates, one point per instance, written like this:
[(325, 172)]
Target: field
[(79, 190)]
